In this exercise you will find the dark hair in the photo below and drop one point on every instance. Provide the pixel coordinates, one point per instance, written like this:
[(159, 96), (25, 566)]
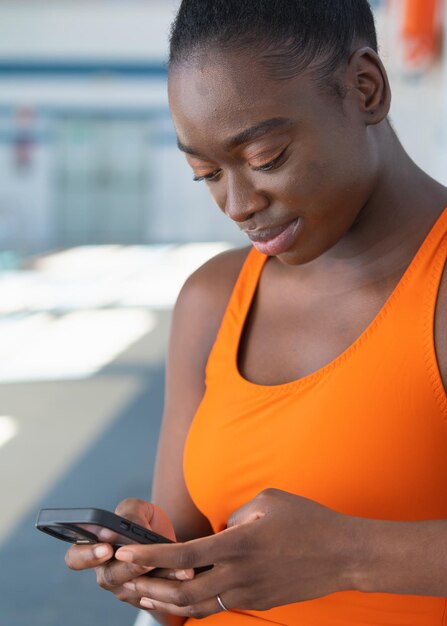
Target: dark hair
[(287, 35)]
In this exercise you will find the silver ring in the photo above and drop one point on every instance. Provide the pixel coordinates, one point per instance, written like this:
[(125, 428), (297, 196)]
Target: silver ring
[(222, 605)]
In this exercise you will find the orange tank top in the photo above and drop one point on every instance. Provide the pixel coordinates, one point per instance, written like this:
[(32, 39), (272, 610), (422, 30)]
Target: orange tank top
[(365, 435)]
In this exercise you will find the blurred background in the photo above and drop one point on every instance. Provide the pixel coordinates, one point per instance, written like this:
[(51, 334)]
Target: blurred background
[(100, 224)]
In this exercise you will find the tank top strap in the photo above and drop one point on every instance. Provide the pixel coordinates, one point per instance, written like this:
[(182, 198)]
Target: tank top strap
[(407, 320), (431, 270), (224, 350), (434, 255), (418, 289), (427, 264)]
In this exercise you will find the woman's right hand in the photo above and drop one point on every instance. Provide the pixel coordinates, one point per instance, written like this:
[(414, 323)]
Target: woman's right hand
[(112, 575)]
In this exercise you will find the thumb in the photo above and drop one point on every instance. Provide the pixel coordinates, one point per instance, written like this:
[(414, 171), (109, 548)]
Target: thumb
[(160, 523), (136, 510), (147, 515)]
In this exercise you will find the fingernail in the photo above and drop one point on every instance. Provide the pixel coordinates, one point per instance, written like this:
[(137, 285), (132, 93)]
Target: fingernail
[(147, 604), (182, 574), (101, 551), (106, 535), (124, 555), (130, 586)]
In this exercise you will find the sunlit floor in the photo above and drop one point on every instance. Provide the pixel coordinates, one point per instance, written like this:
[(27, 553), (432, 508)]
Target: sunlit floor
[(78, 309), (82, 346)]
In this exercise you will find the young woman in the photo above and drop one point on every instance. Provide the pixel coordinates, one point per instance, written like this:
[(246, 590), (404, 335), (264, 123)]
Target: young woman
[(304, 443)]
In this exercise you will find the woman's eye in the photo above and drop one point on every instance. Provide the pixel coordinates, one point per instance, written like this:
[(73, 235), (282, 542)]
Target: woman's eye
[(208, 177), (266, 167), (271, 164)]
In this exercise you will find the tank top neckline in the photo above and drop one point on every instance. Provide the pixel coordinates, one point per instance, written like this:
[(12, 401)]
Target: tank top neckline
[(255, 262)]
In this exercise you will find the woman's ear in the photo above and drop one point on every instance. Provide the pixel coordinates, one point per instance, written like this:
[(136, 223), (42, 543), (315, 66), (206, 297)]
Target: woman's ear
[(368, 84)]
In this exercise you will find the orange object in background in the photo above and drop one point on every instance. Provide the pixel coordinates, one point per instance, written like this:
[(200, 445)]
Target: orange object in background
[(421, 31)]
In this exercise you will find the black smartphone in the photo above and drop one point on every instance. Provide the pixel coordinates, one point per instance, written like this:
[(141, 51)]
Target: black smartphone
[(89, 526)]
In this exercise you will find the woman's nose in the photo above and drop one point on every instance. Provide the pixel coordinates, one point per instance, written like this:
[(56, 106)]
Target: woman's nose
[(243, 199)]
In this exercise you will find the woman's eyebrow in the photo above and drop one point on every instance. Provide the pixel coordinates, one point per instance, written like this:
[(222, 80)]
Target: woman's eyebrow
[(244, 136), (257, 131), (189, 150)]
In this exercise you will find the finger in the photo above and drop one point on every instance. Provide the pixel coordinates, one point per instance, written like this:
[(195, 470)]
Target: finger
[(186, 593), (125, 595), (198, 611), (86, 557), (114, 574), (196, 553), (146, 514), (172, 574), (136, 510)]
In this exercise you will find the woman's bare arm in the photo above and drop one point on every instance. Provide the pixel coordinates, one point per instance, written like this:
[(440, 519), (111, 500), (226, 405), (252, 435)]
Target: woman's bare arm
[(196, 320)]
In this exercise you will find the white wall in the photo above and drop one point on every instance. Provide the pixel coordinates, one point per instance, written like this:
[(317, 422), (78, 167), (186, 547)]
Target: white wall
[(85, 29)]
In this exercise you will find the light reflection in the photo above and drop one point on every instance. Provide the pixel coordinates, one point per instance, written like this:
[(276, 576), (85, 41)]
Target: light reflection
[(74, 346), (78, 309), (8, 429)]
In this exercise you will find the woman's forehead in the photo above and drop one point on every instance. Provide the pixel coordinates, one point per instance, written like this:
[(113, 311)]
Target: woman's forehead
[(234, 93), (224, 80)]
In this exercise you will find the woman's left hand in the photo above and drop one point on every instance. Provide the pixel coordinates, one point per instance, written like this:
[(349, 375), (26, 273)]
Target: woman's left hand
[(278, 549)]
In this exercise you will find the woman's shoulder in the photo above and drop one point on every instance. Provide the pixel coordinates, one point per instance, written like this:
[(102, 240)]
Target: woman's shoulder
[(203, 299), (212, 284)]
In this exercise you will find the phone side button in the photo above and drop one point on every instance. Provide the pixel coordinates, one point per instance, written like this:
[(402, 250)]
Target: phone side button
[(124, 525), (137, 531)]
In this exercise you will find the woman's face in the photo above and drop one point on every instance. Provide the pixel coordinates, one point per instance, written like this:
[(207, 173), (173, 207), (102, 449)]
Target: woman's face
[(291, 165)]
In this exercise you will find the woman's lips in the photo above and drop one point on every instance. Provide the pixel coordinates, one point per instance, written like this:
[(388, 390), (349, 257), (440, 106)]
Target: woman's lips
[(273, 241)]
